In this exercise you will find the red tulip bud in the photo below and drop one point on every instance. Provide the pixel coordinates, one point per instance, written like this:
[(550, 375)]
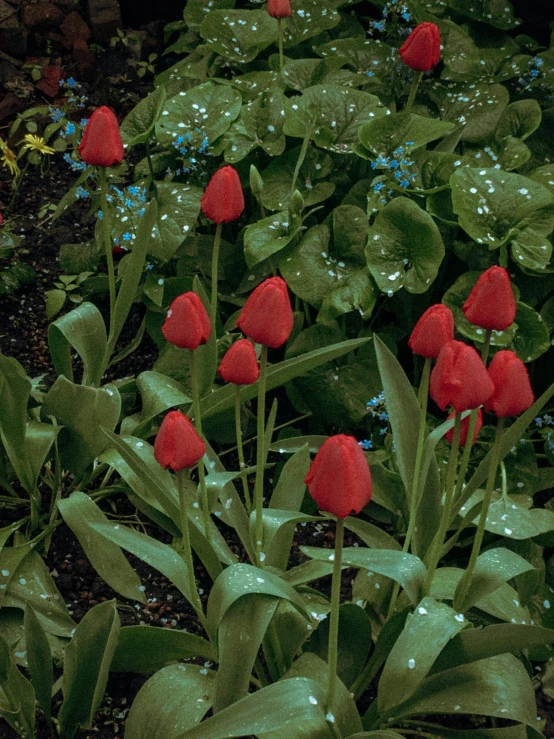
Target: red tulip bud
[(339, 479), (187, 324), (464, 428), (422, 49), (459, 378), (491, 303), (223, 200), (279, 8), (101, 145), (434, 329), (1, 219), (267, 315), (177, 444), (512, 390), (119, 251), (240, 364)]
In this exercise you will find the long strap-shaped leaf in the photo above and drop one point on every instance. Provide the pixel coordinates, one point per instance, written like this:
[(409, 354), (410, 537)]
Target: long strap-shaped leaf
[(404, 413)]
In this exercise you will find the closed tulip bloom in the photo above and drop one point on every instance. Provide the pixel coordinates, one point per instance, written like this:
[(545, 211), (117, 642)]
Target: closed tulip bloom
[(339, 479), (422, 49), (240, 364), (512, 390), (434, 329), (459, 378), (187, 324), (279, 8), (101, 145), (223, 199), (464, 428), (491, 303), (177, 444), (267, 314)]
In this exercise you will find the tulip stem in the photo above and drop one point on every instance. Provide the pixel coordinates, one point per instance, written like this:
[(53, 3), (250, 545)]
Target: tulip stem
[(471, 426), (465, 583), (423, 396), (150, 167), (260, 458), (280, 24), (215, 264), (240, 451), (436, 547), (103, 180), (187, 553), (413, 91), (486, 346), (464, 464), (198, 425), (332, 650)]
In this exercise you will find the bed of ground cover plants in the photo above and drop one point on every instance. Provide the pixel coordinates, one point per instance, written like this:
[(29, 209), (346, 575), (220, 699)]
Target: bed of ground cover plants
[(288, 469)]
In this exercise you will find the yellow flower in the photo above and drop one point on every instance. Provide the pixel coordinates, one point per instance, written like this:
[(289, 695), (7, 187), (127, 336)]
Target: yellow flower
[(9, 158), (37, 143)]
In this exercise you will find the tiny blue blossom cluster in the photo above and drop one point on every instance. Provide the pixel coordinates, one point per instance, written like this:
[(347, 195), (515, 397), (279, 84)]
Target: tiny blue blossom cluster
[(189, 151), (392, 7), (399, 164), (73, 91), (533, 73), (377, 408)]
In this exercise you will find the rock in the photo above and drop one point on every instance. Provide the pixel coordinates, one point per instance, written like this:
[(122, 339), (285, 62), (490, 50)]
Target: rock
[(7, 72), (74, 27), (13, 35), (50, 82), (43, 15), (83, 55), (105, 18), (10, 106)]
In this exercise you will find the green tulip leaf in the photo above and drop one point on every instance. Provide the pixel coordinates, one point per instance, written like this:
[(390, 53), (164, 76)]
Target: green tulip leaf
[(174, 700), (425, 635), (79, 512), (146, 649), (81, 411), (87, 662)]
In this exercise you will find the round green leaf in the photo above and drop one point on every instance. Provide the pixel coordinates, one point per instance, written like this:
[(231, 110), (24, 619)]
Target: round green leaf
[(404, 248), (210, 108), (495, 207), (238, 35), (331, 115), (260, 123), (477, 107), (309, 18), (386, 134)]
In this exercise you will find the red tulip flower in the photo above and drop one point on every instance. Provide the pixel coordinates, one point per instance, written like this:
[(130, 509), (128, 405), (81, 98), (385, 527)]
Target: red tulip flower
[(223, 199), (512, 390), (177, 444), (1, 219), (459, 378), (339, 479), (422, 49), (279, 8), (464, 428), (434, 329), (267, 315), (101, 145), (187, 324), (491, 303), (240, 364)]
